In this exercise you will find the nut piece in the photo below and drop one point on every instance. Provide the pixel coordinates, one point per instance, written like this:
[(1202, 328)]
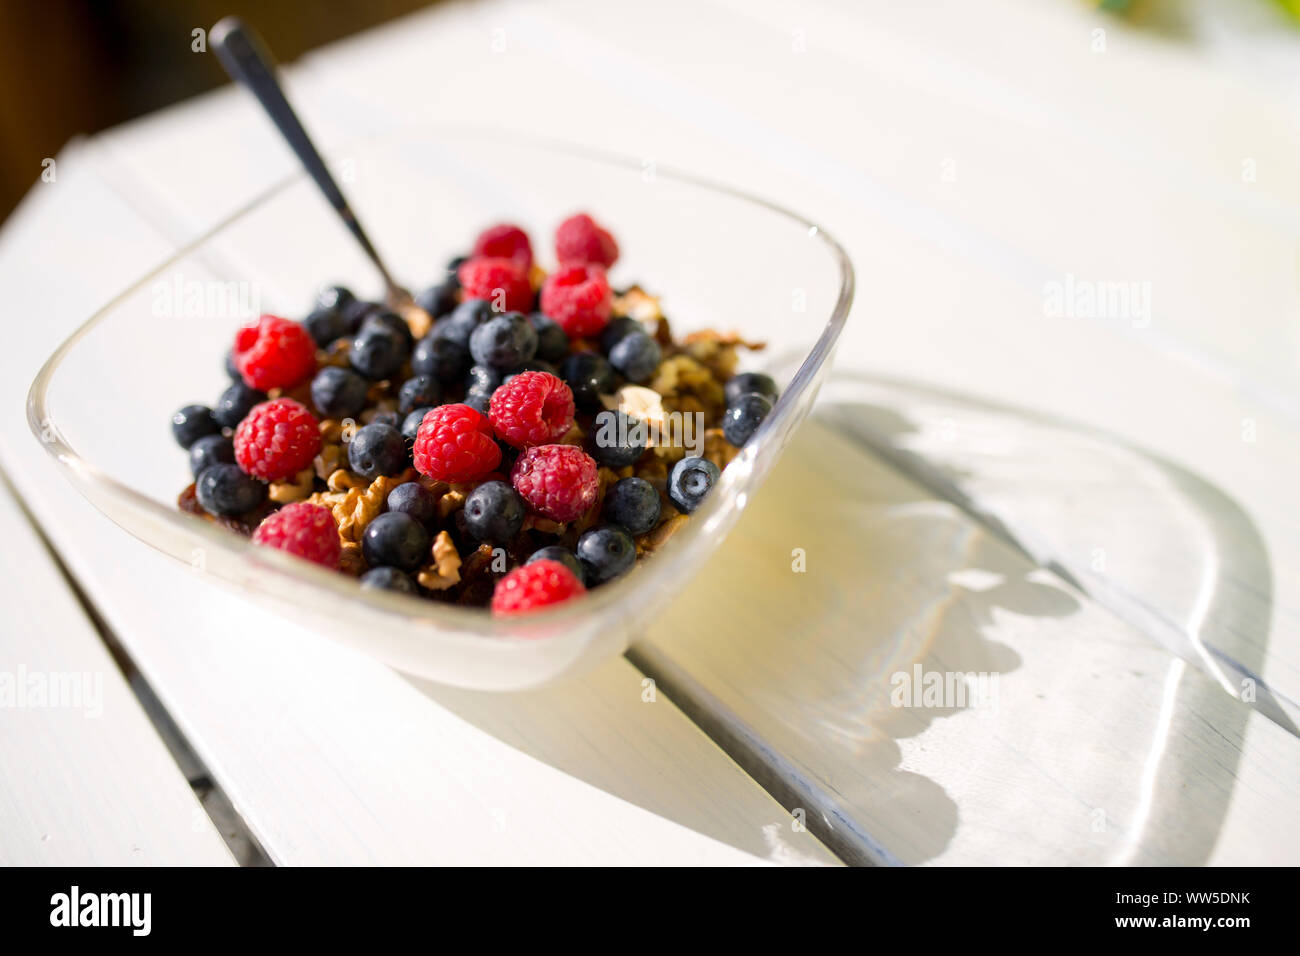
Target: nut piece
[(637, 401), (417, 320), (292, 489), (351, 561), (638, 304), (717, 449), (655, 539), (444, 570)]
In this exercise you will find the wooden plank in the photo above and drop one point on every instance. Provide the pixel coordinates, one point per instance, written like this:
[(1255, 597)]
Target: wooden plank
[(330, 757), (84, 779), (1062, 736)]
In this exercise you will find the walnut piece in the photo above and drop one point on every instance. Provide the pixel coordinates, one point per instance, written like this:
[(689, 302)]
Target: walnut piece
[(292, 489), (444, 570)]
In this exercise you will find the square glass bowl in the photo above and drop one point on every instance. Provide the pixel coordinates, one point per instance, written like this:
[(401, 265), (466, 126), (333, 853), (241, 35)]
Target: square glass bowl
[(718, 259)]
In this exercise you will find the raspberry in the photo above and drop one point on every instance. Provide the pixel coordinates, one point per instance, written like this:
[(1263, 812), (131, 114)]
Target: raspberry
[(454, 443), (535, 585), (274, 353), (578, 298), (533, 408), (557, 481), (503, 282), (276, 440), (579, 241), (505, 241), (303, 529)]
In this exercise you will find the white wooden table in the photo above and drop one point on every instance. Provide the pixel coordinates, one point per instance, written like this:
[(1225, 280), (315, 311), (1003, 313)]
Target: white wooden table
[(1096, 510)]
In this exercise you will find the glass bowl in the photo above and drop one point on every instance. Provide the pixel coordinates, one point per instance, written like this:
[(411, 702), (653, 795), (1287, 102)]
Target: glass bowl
[(718, 258)]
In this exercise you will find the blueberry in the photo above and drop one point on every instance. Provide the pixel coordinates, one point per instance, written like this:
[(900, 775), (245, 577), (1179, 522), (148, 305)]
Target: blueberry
[(536, 365), (355, 311), (413, 499), (494, 512), (339, 392), (617, 439), (454, 264), (552, 342), (411, 424), (231, 370), (334, 297), (388, 579), (395, 540), (633, 503), (555, 552), (223, 489), (438, 299), (482, 378), (377, 449), (325, 325), (690, 480), (747, 382), (636, 355), (606, 551), (193, 422), (613, 333), (211, 450), (589, 376), (504, 341), (741, 420), (389, 319), (235, 403), (419, 392), (379, 350), (479, 401), (462, 322), (442, 358)]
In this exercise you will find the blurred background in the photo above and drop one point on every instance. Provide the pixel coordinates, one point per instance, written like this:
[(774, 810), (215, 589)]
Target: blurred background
[(101, 62)]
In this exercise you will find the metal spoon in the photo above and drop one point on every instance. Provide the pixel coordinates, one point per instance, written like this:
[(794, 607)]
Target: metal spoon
[(245, 57)]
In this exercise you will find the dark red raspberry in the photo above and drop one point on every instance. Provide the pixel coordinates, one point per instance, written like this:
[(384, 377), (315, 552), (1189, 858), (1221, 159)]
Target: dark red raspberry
[(454, 443), (535, 585), (557, 481), (277, 439), (503, 282), (580, 241), (578, 298), (505, 241), (303, 529), (533, 408), (274, 353)]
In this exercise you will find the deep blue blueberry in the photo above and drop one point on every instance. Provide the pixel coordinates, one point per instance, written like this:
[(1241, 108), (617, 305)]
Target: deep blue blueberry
[(443, 359), (391, 419), (191, 423), (494, 512), (462, 322), (536, 365), (479, 401), (356, 311), (636, 356), (411, 424), (503, 341), (392, 320), (231, 371), (633, 503), (413, 499), (614, 331), (211, 450), (339, 392), (379, 350), (235, 403), (388, 579), (394, 539), (555, 552), (606, 551), (223, 489), (438, 299), (482, 378), (453, 265), (589, 376), (689, 482), (617, 439), (325, 325), (418, 392), (377, 449), (334, 297), (741, 420), (552, 342), (747, 382)]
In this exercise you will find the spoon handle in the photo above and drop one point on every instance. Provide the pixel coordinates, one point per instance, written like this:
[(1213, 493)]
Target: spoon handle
[(246, 59)]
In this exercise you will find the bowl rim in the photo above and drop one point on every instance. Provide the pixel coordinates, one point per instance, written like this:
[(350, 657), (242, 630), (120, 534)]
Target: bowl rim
[(82, 473)]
